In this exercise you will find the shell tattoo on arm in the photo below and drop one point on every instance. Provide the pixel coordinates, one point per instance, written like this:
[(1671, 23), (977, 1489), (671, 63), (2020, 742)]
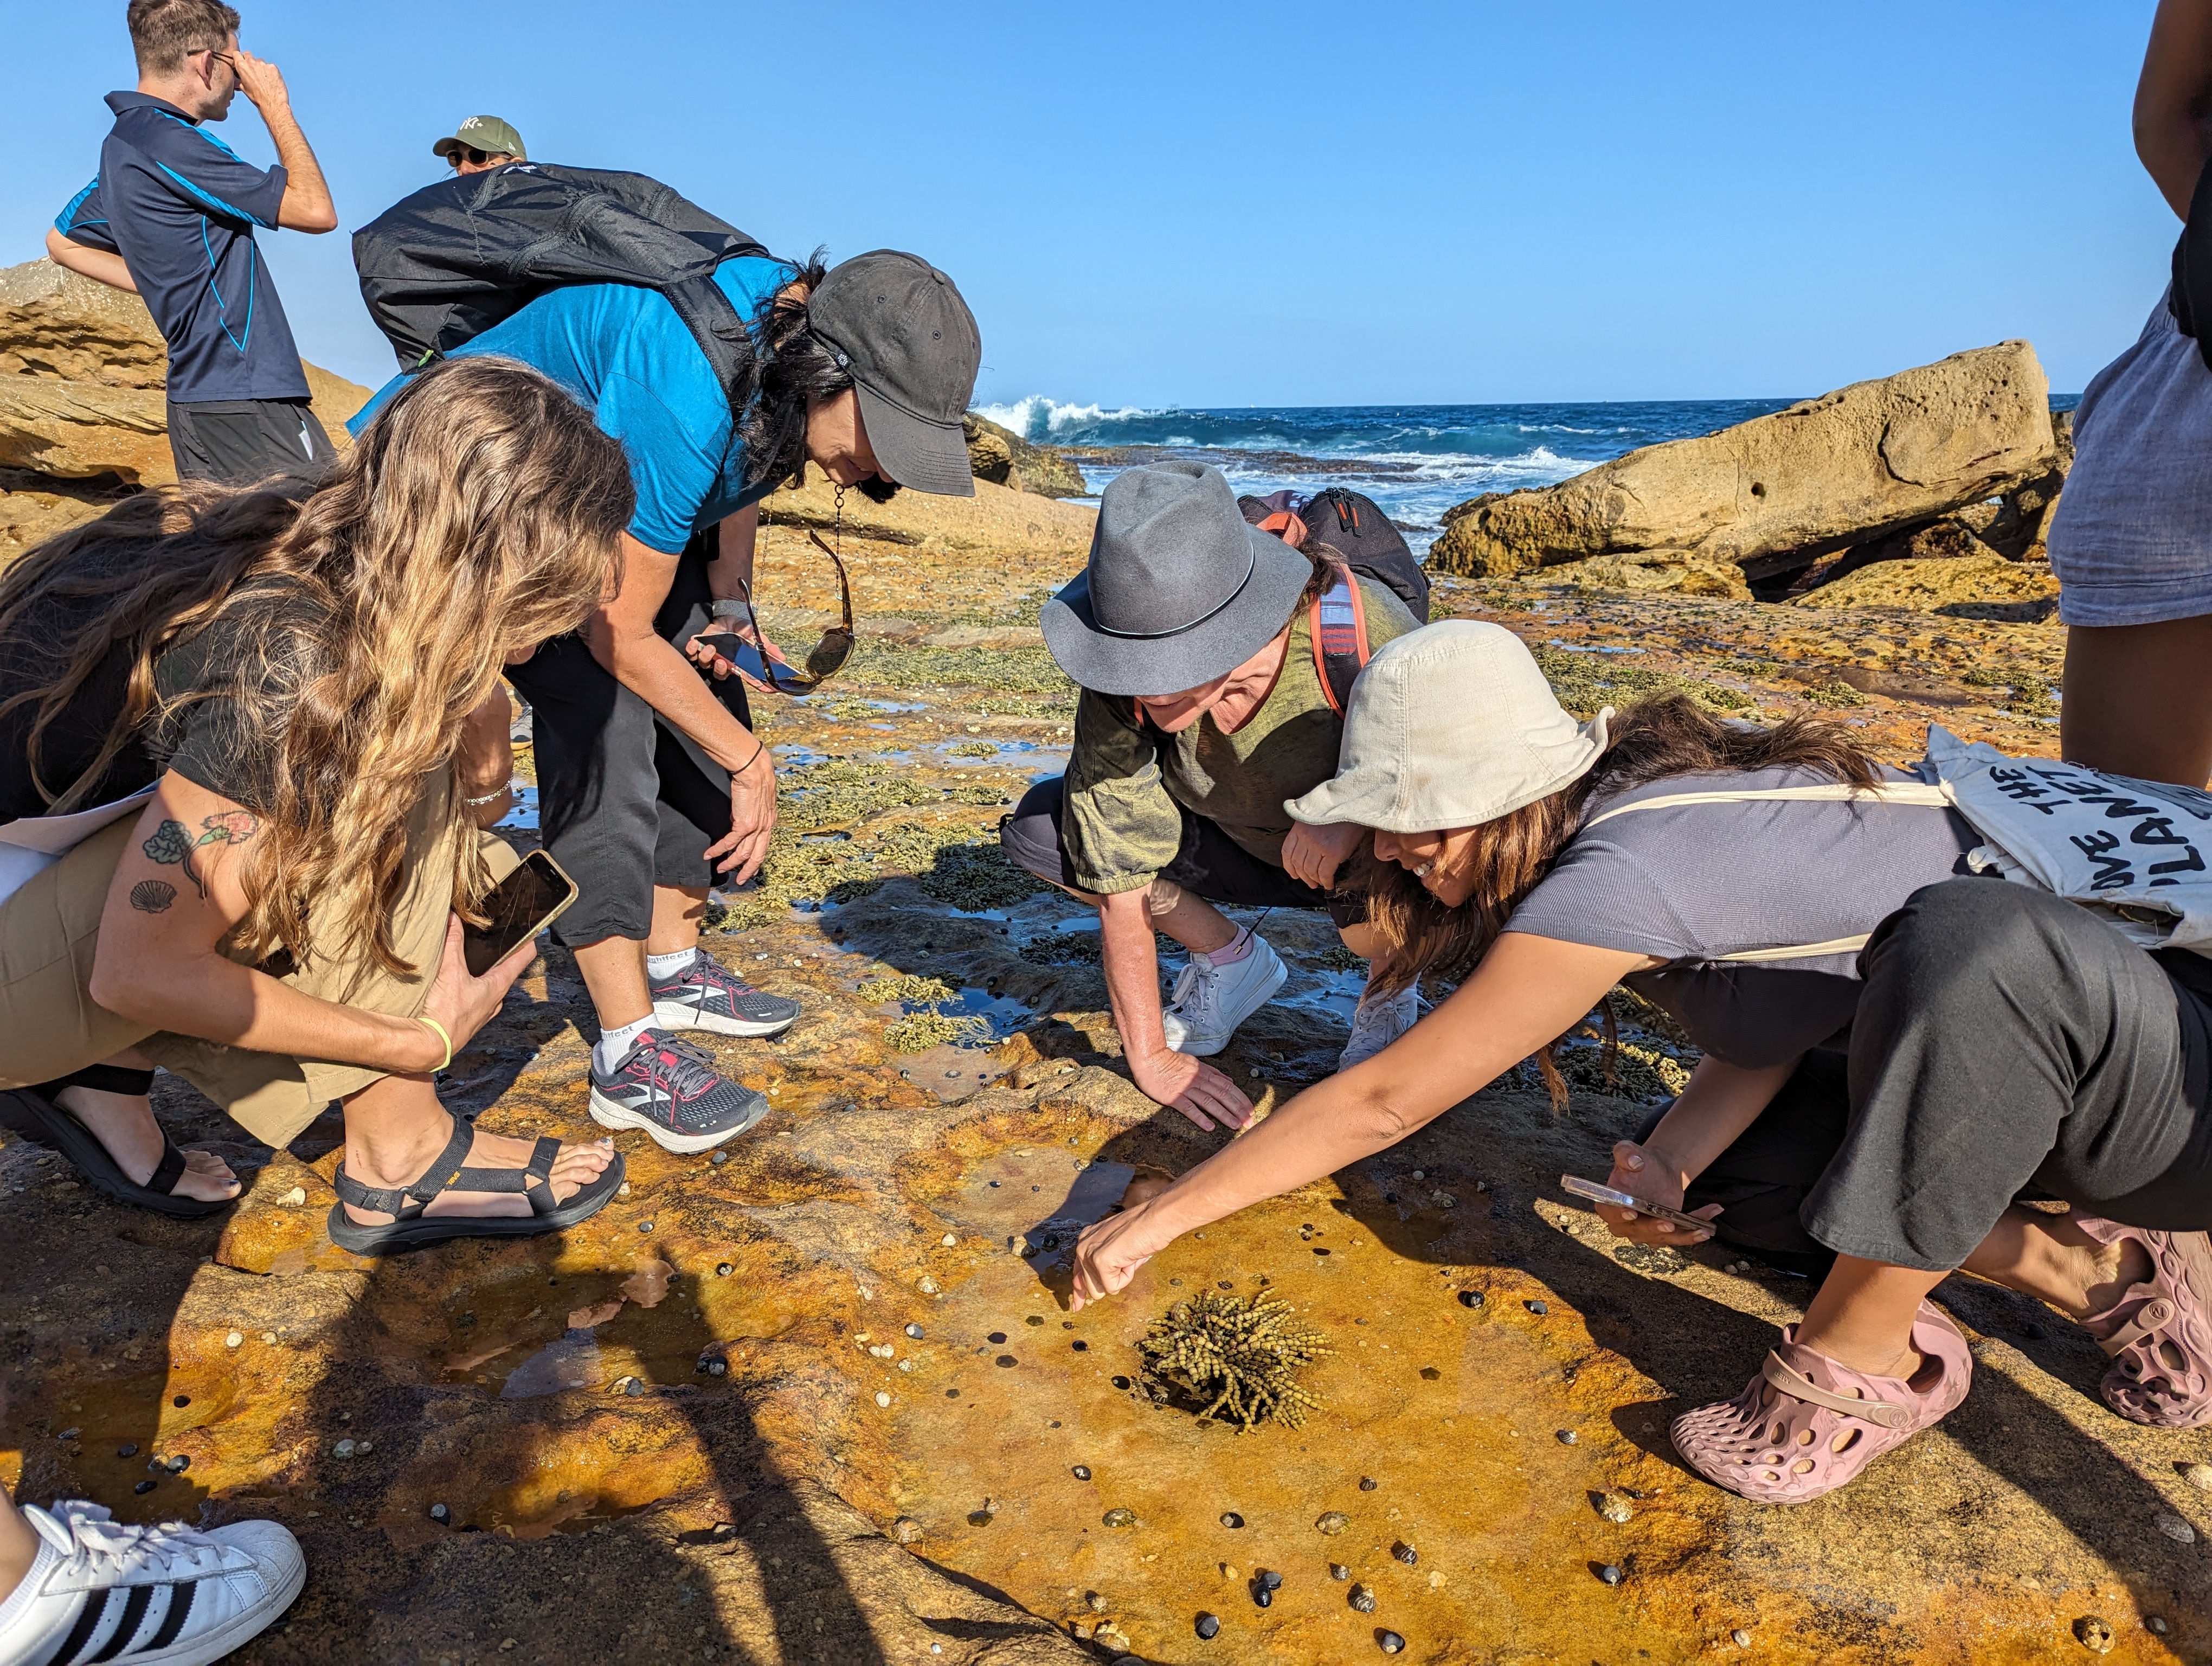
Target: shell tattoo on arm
[(153, 895), (172, 846)]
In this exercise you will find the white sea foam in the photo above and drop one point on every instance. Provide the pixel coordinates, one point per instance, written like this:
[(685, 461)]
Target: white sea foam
[(1040, 418)]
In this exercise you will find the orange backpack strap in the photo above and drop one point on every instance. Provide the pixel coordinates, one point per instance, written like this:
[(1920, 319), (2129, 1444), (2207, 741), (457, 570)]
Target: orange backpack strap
[(1337, 625)]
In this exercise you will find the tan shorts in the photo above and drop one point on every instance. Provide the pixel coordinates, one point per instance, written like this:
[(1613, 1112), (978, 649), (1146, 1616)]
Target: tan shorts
[(50, 1027)]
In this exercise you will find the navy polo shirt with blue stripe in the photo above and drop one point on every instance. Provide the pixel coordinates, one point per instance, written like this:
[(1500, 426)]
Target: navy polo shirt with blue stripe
[(181, 208)]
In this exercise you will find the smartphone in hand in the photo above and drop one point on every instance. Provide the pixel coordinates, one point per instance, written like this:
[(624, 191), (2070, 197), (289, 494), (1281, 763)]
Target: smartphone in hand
[(519, 907), (1597, 1194)]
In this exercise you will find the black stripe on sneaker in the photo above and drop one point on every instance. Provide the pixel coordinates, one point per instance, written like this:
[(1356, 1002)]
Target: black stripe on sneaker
[(134, 1615), (88, 1625), (180, 1606)]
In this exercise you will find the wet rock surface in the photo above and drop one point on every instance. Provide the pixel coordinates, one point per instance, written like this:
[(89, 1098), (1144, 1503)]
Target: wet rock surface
[(538, 1456)]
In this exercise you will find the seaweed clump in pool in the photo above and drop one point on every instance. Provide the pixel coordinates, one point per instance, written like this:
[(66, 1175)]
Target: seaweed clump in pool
[(1245, 1355)]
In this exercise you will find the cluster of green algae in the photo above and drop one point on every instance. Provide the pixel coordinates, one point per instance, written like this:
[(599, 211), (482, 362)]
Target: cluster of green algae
[(1247, 1354)]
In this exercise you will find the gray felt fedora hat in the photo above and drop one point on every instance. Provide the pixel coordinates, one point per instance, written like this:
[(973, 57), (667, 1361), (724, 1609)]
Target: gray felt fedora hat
[(1178, 590)]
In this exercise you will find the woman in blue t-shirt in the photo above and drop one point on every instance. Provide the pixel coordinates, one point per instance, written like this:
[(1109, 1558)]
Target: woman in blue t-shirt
[(1782, 897)]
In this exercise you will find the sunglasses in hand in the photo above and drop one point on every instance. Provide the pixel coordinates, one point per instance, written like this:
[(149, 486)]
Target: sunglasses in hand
[(747, 648)]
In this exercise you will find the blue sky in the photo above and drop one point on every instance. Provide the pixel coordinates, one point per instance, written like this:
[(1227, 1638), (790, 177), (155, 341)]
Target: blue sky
[(1289, 204)]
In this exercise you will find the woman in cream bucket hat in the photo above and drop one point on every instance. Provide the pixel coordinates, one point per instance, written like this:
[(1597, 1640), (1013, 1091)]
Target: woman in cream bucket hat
[(1853, 999)]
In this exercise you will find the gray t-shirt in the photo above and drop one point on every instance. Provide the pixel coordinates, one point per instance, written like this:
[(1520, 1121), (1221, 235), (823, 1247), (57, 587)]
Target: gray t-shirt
[(1694, 882)]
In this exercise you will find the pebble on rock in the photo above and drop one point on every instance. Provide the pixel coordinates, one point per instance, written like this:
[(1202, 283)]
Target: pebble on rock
[(344, 1449), (883, 1399), (1538, 1308), (914, 1331), (1741, 1638), (2157, 1627), (1332, 1521), (1390, 1642), (1362, 1600), (144, 1486), (1208, 1627), (1610, 1574), (1614, 1507), (128, 1449), (1119, 1518), (1231, 1520), (233, 1340), (440, 1513), (720, 1158)]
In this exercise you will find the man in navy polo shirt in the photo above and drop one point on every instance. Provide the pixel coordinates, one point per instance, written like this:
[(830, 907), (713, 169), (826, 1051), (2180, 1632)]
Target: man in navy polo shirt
[(172, 216)]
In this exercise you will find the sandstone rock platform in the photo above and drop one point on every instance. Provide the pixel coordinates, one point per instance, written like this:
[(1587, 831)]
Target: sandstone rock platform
[(699, 1429)]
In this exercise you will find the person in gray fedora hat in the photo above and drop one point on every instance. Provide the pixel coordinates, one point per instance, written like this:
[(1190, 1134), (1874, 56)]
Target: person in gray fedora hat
[(1203, 710)]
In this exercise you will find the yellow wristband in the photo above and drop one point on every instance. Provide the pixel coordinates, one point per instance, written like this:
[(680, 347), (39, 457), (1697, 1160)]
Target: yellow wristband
[(443, 1036)]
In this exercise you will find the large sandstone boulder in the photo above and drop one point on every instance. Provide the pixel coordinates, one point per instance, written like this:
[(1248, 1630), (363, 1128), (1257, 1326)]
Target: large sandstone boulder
[(82, 373), (1785, 489), (1002, 457)]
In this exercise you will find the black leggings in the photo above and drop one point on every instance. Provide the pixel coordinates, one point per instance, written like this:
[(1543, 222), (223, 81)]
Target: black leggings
[(2008, 1044), (624, 801)]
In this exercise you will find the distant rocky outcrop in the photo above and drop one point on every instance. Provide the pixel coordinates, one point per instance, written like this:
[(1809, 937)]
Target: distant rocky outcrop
[(997, 520), (1002, 457), (82, 373), (1774, 497)]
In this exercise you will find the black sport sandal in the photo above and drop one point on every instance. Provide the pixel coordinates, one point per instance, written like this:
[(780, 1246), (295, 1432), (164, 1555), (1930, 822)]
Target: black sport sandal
[(413, 1230)]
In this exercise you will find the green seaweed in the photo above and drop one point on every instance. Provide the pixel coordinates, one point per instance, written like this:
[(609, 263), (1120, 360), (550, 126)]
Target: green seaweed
[(906, 987), (1584, 682), (1245, 1354), (917, 1032)]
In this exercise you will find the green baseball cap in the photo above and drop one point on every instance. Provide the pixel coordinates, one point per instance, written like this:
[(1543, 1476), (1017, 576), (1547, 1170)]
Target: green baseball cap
[(489, 134)]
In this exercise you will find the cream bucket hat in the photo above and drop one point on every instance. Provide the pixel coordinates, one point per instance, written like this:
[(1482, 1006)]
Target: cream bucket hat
[(1451, 725)]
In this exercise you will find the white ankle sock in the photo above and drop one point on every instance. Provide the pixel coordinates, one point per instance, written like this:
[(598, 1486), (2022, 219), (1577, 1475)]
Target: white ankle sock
[(1230, 952), (660, 966), (607, 1052)]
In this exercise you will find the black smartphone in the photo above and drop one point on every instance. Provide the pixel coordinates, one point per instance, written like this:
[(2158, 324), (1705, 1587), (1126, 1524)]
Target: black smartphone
[(519, 907)]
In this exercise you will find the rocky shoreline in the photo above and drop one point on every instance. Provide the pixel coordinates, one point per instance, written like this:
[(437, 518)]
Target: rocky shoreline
[(822, 1401)]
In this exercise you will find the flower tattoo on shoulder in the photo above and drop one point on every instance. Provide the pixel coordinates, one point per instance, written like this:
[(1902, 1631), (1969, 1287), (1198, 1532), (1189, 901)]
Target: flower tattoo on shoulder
[(172, 846)]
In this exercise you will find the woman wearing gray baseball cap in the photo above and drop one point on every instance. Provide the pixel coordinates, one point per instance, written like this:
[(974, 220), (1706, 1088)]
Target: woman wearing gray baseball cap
[(1202, 712), (1794, 920)]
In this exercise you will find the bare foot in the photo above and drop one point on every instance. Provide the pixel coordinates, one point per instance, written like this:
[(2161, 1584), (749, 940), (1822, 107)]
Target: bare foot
[(123, 1124), (575, 1167)]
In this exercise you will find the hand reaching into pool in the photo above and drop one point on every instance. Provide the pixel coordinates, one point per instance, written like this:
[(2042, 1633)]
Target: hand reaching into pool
[(1109, 1252)]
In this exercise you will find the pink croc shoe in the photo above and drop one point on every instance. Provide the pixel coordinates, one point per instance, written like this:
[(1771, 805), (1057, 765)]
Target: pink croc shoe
[(2159, 1333), (1806, 1425)]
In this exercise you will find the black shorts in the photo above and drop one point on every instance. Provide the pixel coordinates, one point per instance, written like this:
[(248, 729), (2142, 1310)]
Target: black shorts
[(241, 442), (1208, 863), (625, 801)]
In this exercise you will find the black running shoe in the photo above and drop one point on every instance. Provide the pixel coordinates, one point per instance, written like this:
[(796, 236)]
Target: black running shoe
[(671, 1090), (707, 995)]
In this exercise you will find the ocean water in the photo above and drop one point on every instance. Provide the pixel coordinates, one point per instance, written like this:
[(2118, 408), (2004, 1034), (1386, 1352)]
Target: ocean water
[(1417, 461)]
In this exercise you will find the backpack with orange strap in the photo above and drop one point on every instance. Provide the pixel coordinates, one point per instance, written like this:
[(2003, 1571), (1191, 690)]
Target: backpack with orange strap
[(1353, 527)]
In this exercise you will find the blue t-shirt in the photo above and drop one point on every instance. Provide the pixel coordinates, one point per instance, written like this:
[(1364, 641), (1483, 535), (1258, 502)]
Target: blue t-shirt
[(625, 352), (180, 207)]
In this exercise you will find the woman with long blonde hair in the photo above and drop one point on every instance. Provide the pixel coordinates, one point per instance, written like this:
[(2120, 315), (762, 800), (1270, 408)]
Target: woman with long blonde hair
[(310, 691)]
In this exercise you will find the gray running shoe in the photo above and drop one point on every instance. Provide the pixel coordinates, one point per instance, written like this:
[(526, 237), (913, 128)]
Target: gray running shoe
[(709, 995), (673, 1091)]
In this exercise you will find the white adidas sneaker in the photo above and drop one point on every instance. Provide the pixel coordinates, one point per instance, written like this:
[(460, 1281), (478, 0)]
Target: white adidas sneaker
[(165, 1596), (1377, 1021), (1210, 1001)]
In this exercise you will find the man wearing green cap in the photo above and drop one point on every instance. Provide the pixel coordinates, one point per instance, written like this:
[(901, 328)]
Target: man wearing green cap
[(480, 144)]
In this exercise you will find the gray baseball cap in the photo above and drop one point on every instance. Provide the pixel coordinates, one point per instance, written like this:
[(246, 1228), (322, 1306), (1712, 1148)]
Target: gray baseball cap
[(900, 327), (1178, 590), (489, 134)]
